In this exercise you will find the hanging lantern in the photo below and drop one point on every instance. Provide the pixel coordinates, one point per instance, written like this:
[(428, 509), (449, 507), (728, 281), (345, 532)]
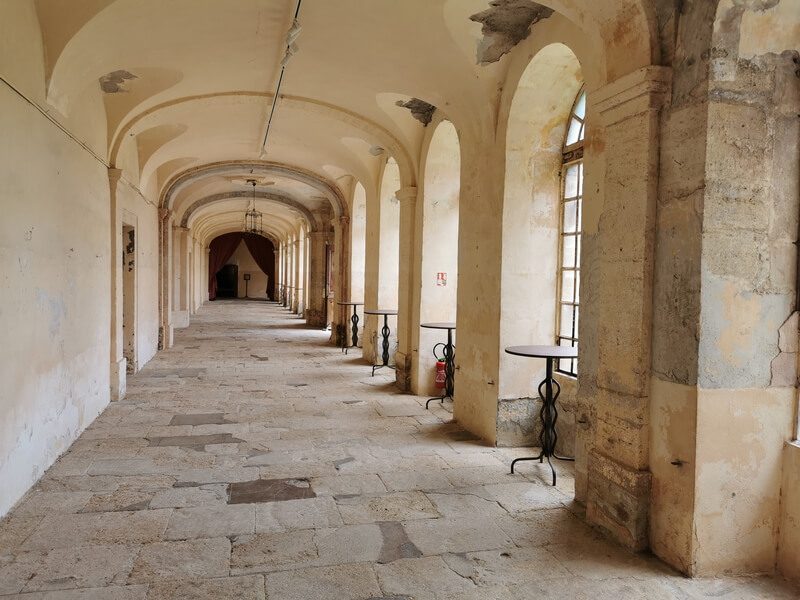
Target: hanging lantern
[(253, 219)]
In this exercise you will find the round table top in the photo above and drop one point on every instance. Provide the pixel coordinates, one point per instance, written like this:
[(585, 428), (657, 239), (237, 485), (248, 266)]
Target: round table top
[(544, 351), (445, 325), (380, 311), (350, 303)]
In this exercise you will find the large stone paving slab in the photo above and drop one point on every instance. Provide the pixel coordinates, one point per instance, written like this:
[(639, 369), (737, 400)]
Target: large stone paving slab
[(253, 460)]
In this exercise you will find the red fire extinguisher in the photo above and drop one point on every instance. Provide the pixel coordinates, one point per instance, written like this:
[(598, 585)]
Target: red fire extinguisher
[(441, 375)]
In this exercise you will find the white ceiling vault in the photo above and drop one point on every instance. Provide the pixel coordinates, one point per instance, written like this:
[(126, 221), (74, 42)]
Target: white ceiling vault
[(187, 87)]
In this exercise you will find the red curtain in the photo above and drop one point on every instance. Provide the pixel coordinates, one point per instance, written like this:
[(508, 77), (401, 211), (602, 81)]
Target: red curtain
[(263, 252), (221, 249)]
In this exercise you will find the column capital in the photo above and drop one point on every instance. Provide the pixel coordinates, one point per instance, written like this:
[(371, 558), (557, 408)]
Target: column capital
[(344, 220), (114, 175), (642, 90), (408, 192)]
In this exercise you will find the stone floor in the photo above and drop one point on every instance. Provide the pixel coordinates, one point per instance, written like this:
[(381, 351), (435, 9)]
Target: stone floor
[(252, 460)]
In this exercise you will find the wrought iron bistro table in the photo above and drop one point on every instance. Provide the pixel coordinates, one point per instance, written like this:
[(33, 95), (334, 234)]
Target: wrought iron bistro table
[(354, 321), (548, 414), (385, 331), (448, 350)]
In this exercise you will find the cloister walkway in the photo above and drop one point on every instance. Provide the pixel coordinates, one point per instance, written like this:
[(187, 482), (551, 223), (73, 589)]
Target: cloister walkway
[(253, 460)]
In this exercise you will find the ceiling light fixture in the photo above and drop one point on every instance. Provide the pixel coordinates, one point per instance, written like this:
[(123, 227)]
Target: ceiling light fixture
[(291, 49), (253, 219)]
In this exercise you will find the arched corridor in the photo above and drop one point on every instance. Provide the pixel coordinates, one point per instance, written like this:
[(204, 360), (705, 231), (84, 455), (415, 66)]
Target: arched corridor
[(360, 255), (252, 456)]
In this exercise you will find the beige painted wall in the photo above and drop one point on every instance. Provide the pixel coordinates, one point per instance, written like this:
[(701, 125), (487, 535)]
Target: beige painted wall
[(55, 260)]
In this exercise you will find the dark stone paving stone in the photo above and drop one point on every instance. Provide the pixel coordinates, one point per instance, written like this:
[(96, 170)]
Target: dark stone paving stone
[(194, 440), (261, 358), (463, 436), (396, 544), (184, 372), (269, 490), (199, 419), (343, 461), (297, 384)]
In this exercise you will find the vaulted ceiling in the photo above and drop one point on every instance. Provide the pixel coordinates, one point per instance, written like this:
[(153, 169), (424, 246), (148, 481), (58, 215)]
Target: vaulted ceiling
[(187, 87)]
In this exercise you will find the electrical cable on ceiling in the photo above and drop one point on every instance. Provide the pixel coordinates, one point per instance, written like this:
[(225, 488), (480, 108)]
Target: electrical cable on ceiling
[(291, 50)]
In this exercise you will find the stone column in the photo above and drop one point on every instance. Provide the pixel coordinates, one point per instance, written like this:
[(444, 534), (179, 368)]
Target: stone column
[(285, 271), (118, 363), (315, 312), (180, 313), (301, 272), (296, 275), (165, 333), (405, 318), (372, 249), (341, 278), (204, 279), (615, 345), (726, 332)]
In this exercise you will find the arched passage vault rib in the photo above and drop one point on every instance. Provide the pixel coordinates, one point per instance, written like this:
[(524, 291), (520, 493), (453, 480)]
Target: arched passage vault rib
[(278, 198), (325, 187), (381, 135)]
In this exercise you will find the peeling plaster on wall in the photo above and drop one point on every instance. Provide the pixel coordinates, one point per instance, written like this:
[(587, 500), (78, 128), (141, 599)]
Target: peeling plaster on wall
[(784, 366), (114, 82), (420, 110), (505, 25)]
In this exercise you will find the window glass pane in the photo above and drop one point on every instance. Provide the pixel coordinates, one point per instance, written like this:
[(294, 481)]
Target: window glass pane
[(574, 133), (567, 312), (567, 285), (577, 285), (580, 106), (570, 217), (580, 216), (578, 252), (568, 255), (571, 178)]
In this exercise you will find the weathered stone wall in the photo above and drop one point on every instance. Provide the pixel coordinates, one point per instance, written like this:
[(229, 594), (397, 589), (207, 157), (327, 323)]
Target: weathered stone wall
[(724, 344), (789, 540)]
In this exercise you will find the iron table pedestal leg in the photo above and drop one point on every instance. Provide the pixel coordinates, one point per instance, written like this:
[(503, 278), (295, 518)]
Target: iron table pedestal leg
[(549, 416)]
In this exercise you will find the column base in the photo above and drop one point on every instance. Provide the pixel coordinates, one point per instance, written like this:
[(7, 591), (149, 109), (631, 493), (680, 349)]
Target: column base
[(618, 500), (403, 371), (315, 318), (119, 379), (180, 318)]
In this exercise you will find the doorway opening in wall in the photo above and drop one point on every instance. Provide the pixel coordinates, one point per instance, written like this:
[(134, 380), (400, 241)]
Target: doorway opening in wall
[(129, 297), (569, 280), (231, 257), (228, 281)]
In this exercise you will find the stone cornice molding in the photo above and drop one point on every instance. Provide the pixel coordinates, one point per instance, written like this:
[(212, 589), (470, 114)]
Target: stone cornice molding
[(642, 90)]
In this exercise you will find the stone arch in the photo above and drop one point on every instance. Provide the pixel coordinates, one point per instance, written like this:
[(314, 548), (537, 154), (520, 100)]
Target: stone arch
[(537, 121), (307, 215), (438, 207), (329, 190)]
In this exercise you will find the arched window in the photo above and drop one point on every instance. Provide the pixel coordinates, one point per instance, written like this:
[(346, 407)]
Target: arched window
[(570, 253)]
